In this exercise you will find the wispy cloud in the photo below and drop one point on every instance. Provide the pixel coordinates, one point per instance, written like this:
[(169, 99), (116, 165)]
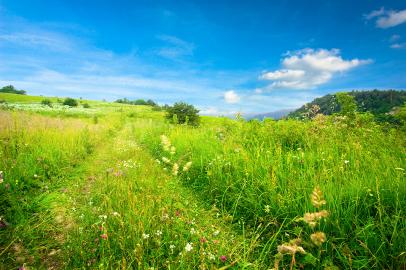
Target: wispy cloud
[(398, 45), (309, 68), (387, 18), (175, 48)]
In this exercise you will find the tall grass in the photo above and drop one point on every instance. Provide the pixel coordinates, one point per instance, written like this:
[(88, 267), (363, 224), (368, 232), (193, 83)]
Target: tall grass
[(262, 173)]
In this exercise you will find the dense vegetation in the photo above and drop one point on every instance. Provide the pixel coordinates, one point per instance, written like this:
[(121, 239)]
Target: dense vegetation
[(183, 113), (11, 89), (136, 102), (379, 103), (134, 191)]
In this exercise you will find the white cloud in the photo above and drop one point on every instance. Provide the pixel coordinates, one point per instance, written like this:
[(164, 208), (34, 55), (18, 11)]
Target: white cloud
[(231, 97), (375, 13), (309, 68), (398, 45), (387, 18)]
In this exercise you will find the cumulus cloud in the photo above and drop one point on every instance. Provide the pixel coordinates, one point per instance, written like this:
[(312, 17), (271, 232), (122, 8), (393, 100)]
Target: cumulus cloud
[(231, 97), (309, 68), (387, 18)]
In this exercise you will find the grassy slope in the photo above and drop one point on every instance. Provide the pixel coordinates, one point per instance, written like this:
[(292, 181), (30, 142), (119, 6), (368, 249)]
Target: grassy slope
[(258, 175)]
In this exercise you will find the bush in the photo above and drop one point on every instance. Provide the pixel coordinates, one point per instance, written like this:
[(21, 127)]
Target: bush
[(46, 102), (86, 105), (70, 102), (183, 113)]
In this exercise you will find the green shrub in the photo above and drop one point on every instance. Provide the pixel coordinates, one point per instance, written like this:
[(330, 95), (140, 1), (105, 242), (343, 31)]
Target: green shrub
[(86, 105), (183, 113), (70, 102), (46, 102)]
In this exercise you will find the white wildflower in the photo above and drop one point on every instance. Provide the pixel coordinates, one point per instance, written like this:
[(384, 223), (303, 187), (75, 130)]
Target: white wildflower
[(217, 232), (158, 233), (188, 247), (145, 236), (267, 209)]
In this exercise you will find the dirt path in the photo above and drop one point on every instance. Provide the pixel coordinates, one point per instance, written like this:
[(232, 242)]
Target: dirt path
[(122, 210)]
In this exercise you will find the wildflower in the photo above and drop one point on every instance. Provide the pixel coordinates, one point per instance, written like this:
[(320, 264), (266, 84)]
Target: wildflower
[(158, 233), (175, 169), (217, 232), (346, 161), (203, 240), (35, 176), (211, 257), (313, 218), (103, 216), (173, 150), (145, 236), (1, 177), (115, 214), (267, 209), (223, 258), (317, 197), (172, 247), (22, 268), (187, 166), (158, 161), (104, 236), (192, 231), (166, 160), (318, 238), (188, 247)]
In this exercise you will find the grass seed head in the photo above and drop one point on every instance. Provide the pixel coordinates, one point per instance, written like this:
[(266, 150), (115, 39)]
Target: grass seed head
[(318, 238), (317, 198)]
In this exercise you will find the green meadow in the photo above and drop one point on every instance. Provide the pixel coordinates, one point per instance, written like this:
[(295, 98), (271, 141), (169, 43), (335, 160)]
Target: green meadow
[(117, 186)]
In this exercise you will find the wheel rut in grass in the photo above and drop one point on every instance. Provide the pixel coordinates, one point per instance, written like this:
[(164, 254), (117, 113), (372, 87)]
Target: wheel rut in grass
[(127, 212)]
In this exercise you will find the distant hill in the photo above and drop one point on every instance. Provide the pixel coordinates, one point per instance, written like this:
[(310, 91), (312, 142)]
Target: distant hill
[(380, 103), (274, 115)]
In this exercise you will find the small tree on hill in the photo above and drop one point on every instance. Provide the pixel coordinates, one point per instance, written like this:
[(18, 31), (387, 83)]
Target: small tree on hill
[(183, 113), (70, 102), (347, 103)]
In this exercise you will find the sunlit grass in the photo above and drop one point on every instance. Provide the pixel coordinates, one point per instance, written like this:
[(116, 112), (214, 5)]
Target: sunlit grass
[(116, 186)]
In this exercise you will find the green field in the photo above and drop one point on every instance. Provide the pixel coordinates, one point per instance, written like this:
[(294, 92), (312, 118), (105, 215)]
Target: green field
[(117, 186)]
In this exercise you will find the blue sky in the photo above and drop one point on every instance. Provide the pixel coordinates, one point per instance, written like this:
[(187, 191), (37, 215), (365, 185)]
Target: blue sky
[(222, 56)]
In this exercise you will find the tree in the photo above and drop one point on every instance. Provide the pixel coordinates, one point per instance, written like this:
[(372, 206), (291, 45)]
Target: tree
[(183, 113), (11, 89), (347, 103), (70, 102)]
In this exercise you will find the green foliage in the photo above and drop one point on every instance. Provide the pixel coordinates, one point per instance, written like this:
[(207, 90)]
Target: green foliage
[(379, 103), (183, 113), (11, 89), (46, 102), (347, 104), (86, 105), (70, 102), (149, 102)]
